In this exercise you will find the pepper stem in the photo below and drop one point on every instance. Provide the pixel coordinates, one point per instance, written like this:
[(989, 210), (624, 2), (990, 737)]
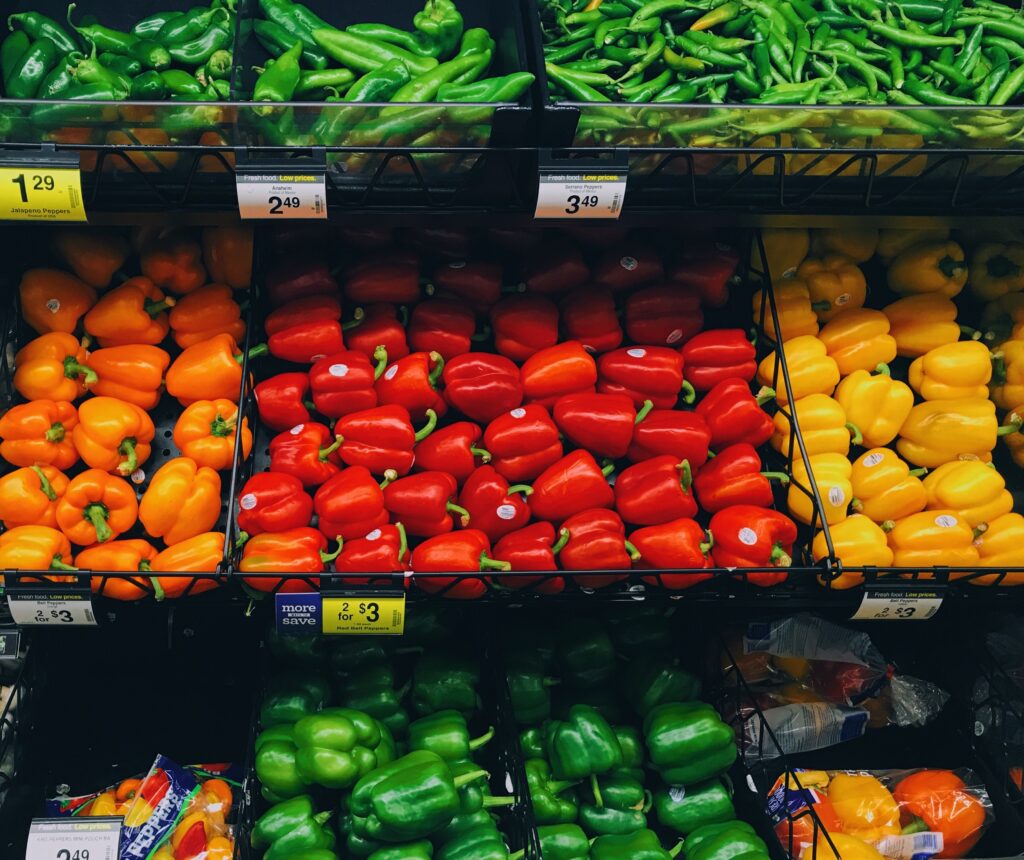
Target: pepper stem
[(855, 435), (330, 449), (57, 564), (818, 307), (643, 411), (96, 514), (519, 855), (779, 557), (326, 557), (466, 778), (596, 789), (764, 395), (607, 469), (482, 335), (493, 564), (856, 505), (55, 433), (403, 541), (979, 530), (158, 588), (482, 453), (675, 849), (72, 370), (709, 544), (453, 508), (427, 428), (1013, 427), (781, 477), (44, 484), (476, 743), (358, 315), (917, 825), (154, 309), (525, 489), (689, 393), (887, 525), (254, 352), (490, 801), (563, 539), (632, 551), (127, 449), (222, 427), (380, 355), (686, 478), (917, 473), (389, 476), (435, 374)]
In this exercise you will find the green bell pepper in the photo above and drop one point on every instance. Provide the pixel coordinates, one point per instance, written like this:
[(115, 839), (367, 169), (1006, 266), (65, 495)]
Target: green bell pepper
[(551, 803), (276, 768), (446, 734), (582, 745), (688, 742), (586, 654), (731, 840), (563, 842), (477, 794), (312, 854), (603, 820), (351, 655), (373, 691), (632, 746), (422, 850), (640, 845), (290, 698), (529, 688), (621, 791), (684, 809), (291, 826), (460, 823), (336, 747), (483, 842), (444, 679), (639, 633), (657, 682), (440, 27), (531, 743)]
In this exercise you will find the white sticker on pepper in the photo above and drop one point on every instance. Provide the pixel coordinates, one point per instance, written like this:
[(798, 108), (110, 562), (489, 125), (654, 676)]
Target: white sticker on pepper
[(339, 370), (636, 353), (247, 502), (747, 536), (873, 459), (297, 429), (674, 336), (946, 521), (506, 512), (836, 496), (518, 412), (629, 263), (374, 535), (53, 305), (391, 372)]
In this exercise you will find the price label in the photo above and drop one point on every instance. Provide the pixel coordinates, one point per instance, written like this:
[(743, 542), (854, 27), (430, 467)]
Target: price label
[(298, 614), (10, 644), (898, 604), (51, 608), (40, 192), (281, 196), (581, 195), (74, 839), (365, 614)]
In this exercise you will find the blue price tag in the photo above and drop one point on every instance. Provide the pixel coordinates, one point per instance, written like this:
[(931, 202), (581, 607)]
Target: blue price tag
[(298, 614)]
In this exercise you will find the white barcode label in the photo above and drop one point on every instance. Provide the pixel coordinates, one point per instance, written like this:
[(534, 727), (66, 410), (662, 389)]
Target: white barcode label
[(915, 846), (803, 727)]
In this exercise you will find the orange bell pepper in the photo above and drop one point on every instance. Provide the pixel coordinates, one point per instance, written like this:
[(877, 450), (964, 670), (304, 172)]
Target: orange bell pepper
[(227, 252), (121, 556), (209, 370), (209, 311), (39, 433), (206, 433), (145, 160), (221, 161), (182, 501), (220, 848), (217, 792), (52, 367), (133, 373), (172, 259), (113, 435), (34, 548), (93, 255), (938, 800), (96, 508), (135, 312), (52, 300), (29, 496), (201, 554)]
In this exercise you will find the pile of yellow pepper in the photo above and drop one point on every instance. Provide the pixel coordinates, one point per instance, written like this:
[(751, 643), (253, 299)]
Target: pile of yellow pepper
[(920, 490)]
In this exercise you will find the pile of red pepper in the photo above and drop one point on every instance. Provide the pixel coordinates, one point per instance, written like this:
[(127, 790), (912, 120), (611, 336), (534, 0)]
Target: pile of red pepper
[(565, 414)]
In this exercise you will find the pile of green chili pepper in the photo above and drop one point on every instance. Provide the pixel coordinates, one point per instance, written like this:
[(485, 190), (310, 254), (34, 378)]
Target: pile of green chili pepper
[(169, 55), (959, 53)]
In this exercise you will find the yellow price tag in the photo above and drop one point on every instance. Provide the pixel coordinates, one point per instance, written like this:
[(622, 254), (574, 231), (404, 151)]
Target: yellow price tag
[(39, 192), (364, 615)]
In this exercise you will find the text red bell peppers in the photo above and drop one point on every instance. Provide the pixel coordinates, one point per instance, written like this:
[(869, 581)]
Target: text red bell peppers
[(748, 536), (482, 386), (655, 491)]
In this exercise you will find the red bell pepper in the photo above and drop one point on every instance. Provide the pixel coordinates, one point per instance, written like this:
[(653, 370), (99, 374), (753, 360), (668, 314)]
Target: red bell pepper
[(424, 503), (734, 415), (573, 484), (556, 267), (307, 451), (516, 242), (452, 449), (494, 507), (665, 314), (684, 435), (477, 283), (301, 550), (709, 269), (523, 442), (482, 386), (628, 267), (383, 550), (524, 324), (295, 278), (601, 423), (597, 541), (447, 241), (193, 844), (652, 373), (563, 369), (412, 382), (350, 504), (366, 235), (302, 311), (533, 548), (343, 382), (444, 326), (712, 356), (734, 477), (588, 315), (465, 551), (676, 545), (381, 439), (748, 536), (273, 502), (390, 276), (308, 342), (282, 400), (655, 491), (377, 326)]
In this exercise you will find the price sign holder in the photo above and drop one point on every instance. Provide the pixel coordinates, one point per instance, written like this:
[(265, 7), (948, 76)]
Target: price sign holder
[(294, 188), (41, 185), (361, 613), (63, 604), (581, 188), (903, 601), (84, 838), (10, 643)]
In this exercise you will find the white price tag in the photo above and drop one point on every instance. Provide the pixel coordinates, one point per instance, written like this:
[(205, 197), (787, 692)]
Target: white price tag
[(898, 604), (51, 608), (74, 839), (580, 195), (280, 195)]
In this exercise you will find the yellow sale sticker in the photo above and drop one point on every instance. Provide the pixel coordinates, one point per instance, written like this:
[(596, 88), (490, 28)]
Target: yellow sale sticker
[(41, 193), (372, 614)]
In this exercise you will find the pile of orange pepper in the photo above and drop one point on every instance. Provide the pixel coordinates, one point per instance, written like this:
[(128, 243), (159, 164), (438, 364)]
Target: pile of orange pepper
[(109, 346)]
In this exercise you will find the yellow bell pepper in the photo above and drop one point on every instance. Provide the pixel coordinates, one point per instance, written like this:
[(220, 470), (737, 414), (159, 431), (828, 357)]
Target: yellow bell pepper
[(935, 267), (938, 431), (793, 304), (975, 490), (952, 372), (1002, 545), (1015, 441), (785, 249), (857, 244), (876, 405), (811, 369), (933, 538), (1000, 318), (832, 477), (858, 339), (849, 848), (885, 488), (836, 284), (922, 323), (892, 243), (866, 808), (1008, 373), (822, 424), (997, 269), (857, 542)]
